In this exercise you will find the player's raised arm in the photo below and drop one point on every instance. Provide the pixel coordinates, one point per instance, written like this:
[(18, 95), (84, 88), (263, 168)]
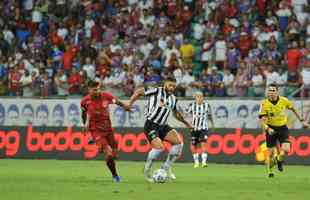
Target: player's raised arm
[(138, 93), (143, 91)]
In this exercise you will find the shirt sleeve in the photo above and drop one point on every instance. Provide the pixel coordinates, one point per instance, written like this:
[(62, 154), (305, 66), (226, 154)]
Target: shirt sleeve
[(150, 91), (262, 110), (108, 96), (289, 104)]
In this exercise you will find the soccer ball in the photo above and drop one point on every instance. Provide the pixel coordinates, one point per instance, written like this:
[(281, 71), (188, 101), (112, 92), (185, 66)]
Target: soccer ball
[(160, 176)]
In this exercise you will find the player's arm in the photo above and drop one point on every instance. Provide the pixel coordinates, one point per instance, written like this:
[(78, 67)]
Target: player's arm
[(85, 119), (180, 118), (84, 116), (83, 111), (122, 104), (138, 93), (144, 91), (302, 120), (210, 116), (263, 121)]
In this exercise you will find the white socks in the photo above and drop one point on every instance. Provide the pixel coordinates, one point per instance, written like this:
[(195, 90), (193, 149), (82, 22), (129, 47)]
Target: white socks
[(152, 155), (204, 157), (173, 155), (196, 158)]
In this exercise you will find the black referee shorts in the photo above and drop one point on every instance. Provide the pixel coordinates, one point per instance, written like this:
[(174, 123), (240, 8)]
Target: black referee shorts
[(199, 136), (153, 130), (280, 135)]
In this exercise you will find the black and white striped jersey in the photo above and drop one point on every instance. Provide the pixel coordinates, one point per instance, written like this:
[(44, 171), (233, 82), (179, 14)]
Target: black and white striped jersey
[(159, 104), (200, 115)]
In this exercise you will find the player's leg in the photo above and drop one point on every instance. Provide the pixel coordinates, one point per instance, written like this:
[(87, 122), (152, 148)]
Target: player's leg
[(174, 139), (285, 147), (270, 161), (157, 148), (195, 145), (109, 150), (271, 141), (151, 132), (204, 153)]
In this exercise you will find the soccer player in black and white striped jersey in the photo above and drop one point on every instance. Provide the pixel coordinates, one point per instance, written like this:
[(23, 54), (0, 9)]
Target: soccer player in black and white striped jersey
[(201, 116), (161, 102)]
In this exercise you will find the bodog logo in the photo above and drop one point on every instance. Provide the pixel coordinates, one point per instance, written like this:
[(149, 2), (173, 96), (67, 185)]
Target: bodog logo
[(224, 143), (68, 141)]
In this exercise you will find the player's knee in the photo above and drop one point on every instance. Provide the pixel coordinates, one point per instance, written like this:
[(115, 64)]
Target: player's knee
[(108, 152), (286, 147)]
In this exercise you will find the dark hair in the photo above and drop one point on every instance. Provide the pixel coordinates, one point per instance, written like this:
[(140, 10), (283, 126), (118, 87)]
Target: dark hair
[(92, 84), (171, 79), (273, 85), (28, 106), (243, 107), (221, 108), (43, 108), (13, 107), (73, 107), (60, 108)]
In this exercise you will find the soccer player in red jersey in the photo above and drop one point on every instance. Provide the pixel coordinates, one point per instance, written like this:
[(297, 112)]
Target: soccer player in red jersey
[(96, 118)]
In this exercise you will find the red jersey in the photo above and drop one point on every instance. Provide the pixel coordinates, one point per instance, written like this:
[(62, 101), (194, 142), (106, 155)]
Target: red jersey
[(98, 112)]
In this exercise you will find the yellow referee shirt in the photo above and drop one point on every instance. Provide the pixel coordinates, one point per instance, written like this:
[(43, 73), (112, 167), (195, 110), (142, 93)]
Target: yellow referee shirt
[(275, 111)]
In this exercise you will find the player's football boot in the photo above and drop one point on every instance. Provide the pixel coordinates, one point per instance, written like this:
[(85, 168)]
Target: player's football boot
[(271, 175), (171, 175), (116, 179), (280, 165), (204, 165), (196, 165)]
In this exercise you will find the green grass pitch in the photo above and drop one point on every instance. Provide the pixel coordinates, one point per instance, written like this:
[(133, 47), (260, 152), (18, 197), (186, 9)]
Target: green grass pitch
[(83, 180)]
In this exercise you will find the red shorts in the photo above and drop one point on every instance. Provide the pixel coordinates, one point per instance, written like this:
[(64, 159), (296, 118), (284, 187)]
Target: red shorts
[(104, 140)]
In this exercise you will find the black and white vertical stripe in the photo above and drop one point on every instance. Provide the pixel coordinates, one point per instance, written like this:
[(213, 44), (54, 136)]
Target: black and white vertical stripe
[(159, 105), (200, 115)]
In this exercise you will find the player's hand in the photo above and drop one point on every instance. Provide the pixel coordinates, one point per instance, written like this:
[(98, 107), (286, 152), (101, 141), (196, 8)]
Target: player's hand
[(270, 131), (127, 107), (305, 125)]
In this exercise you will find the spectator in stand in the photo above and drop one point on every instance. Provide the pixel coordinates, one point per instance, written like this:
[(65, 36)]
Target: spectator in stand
[(61, 82), (14, 81), (26, 84), (293, 57), (241, 84), (220, 52), (233, 58), (197, 32), (74, 82), (305, 75), (228, 80), (257, 84), (187, 52), (206, 54)]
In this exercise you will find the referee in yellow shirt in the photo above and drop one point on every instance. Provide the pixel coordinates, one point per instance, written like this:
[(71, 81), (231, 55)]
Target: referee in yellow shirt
[(274, 122)]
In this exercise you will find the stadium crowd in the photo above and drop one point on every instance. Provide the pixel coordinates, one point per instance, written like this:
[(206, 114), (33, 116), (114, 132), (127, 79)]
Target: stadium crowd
[(223, 48)]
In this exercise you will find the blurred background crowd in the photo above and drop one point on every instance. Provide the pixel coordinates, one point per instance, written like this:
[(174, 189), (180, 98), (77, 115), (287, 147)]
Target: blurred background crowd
[(225, 48)]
